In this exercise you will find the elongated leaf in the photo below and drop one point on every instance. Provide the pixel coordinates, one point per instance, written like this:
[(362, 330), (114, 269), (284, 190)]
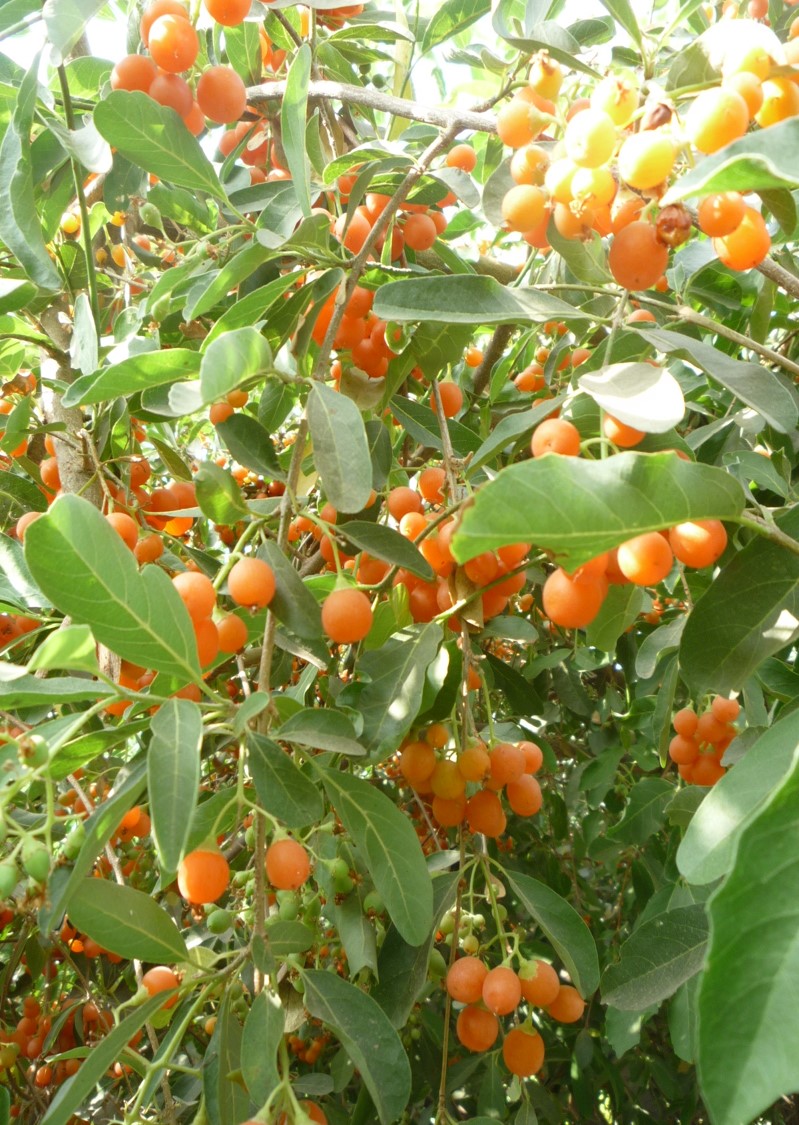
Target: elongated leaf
[(706, 852), (422, 424), (77, 1089), (753, 962), (126, 921), (720, 650), (620, 608), (17, 496), (645, 811), (292, 120), (156, 139), (263, 1030), (286, 938), (321, 729), (391, 698), (751, 383), (225, 1098), (638, 394), (623, 14), (608, 502), (250, 444), (341, 451), (563, 927), (31, 691), (219, 495), (66, 19), (247, 310), (138, 615), (284, 791), (467, 299), (511, 429), (173, 776), (100, 827), (20, 228), (72, 646), (525, 26), (452, 17), (402, 968), (385, 543), (366, 1035), (657, 958), (133, 375), (232, 359), (293, 603), (392, 851), (752, 163)]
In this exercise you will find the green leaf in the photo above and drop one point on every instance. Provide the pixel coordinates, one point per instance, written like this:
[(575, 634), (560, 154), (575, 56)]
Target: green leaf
[(387, 544), (748, 1019), (619, 610), (71, 646), (720, 650), (243, 47), (173, 776), (100, 827), (659, 956), (157, 140), (286, 938), (395, 679), (525, 26), (17, 496), (284, 791), (78, 1089), (367, 1036), (754, 162), (15, 294), (321, 729), (608, 502), (564, 928), (706, 852), (219, 495), (232, 359), (31, 691), (468, 299), (137, 614), (341, 451), (83, 348), (65, 21), (225, 1099), (751, 383), (392, 850), (126, 921), (645, 811), (293, 603), (452, 17), (423, 425), (512, 428), (20, 228), (263, 1031), (133, 375), (250, 309), (623, 14), (249, 443), (293, 113)]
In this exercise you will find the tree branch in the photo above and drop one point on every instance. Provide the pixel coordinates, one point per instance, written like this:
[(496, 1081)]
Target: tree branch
[(384, 103), (780, 276), (684, 312)]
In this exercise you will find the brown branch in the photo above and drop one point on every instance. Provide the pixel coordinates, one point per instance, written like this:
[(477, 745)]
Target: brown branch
[(385, 103), (780, 276), (491, 356)]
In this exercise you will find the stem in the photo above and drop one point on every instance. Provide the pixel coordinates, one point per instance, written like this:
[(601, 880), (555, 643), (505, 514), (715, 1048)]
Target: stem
[(496, 346), (386, 103), (441, 1114), (684, 312), (20, 25), (769, 531), (780, 276), (85, 232)]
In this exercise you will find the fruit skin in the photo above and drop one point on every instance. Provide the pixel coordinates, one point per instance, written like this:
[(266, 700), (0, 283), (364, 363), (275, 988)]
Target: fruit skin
[(747, 245), (636, 258), (523, 1052), (346, 616), (203, 875), (287, 864)]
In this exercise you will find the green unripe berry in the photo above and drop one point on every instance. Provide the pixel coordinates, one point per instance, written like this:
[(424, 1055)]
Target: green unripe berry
[(73, 841), (9, 877), (288, 906), (338, 868), (470, 944), (343, 886), (447, 924), (373, 902), (219, 920), (436, 966), (36, 860)]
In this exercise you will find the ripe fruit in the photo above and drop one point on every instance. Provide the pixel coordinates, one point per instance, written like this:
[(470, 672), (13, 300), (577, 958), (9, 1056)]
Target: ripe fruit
[(172, 91), (465, 980), (346, 616), (197, 593), (617, 97), (484, 813), (572, 603), (134, 72), (230, 13), (451, 399), (476, 1028), (462, 156), (523, 208), (419, 232), (646, 559), (568, 1006), (698, 543), (221, 94), (555, 435), (540, 983), (637, 259), (251, 583), (287, 864), (523, 1052), (747, 245), (417, 762), (232, 633), (502, 990), (716, 117), (721, 213), (161, 979), (524, 796), (173, 43), (620, 434), (518, 123), (203, 875), (125, 526)]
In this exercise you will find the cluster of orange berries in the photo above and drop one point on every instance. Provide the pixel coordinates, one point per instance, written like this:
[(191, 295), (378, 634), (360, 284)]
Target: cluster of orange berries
[(602, 174), (700, 740), (490, 993), (433, 772), (167, 32)]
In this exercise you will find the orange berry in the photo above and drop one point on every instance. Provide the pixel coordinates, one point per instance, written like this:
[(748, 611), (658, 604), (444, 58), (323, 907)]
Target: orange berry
[(251, 582)]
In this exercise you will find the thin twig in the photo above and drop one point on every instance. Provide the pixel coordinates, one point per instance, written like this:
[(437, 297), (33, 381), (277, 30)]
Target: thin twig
[(684, 312), (780, 276), (492, 354)]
